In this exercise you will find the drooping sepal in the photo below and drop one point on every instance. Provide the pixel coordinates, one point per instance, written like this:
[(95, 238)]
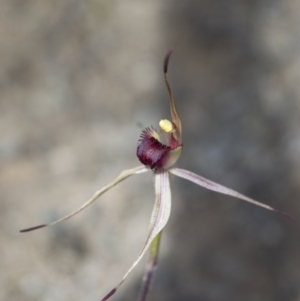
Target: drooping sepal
[(121, 177), (159, 218)]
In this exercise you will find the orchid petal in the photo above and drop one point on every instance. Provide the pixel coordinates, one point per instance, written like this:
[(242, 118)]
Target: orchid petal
[(160, 215), (201, 181), (122, 176)]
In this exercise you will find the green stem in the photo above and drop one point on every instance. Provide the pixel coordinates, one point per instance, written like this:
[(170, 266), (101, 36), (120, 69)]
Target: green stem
[(150, 268)]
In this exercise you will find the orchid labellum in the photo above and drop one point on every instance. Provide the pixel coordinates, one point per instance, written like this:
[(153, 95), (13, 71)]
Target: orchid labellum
[(158, 151)]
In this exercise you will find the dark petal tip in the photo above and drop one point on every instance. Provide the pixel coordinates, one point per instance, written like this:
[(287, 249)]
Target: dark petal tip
[(167, 58), (33, 228), (285, 214)]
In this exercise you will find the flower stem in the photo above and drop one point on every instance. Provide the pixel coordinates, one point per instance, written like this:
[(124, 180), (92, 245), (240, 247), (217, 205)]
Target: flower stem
[(150, 268)]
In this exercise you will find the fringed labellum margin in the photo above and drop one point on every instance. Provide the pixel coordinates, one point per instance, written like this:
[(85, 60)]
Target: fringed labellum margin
[(154, 154)]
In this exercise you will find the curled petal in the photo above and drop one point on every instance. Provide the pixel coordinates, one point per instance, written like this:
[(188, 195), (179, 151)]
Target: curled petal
[(122, 176), (159, 218), (190, 176)]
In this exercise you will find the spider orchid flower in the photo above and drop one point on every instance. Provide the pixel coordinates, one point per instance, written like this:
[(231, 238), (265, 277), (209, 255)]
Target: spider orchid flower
[(158, 151)]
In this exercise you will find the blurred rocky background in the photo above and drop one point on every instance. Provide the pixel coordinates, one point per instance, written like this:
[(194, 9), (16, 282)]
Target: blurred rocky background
[(78, 82)]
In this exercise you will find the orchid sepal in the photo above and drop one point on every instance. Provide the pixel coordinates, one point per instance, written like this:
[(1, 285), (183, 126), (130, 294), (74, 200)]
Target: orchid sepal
[(174, 114), (159, 218), (208, 184), (121, 177)]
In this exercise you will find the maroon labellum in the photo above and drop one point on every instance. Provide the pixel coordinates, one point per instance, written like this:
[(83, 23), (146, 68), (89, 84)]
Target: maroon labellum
[(150, 151), (154, 154)]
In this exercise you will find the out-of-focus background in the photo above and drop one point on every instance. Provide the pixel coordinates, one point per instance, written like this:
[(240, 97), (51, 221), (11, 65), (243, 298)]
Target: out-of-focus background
[(78, 82)]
